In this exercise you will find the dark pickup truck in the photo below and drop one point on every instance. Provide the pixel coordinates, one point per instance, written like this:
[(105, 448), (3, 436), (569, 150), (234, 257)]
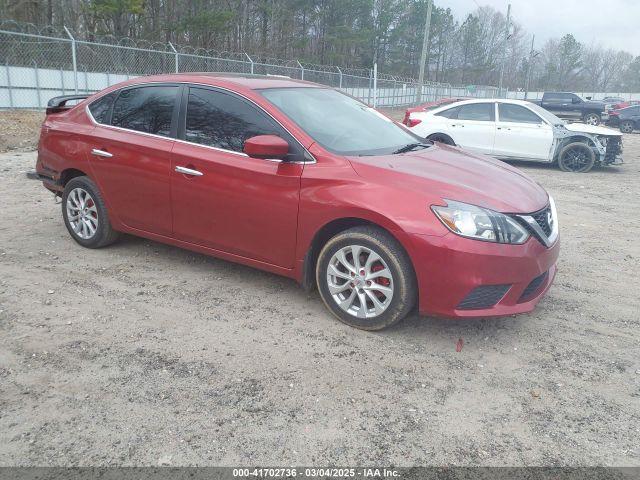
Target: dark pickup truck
[(572, 107)]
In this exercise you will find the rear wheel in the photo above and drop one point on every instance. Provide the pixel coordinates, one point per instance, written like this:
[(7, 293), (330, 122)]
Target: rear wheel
[(366, 279), (592, 119), (442, 138), (626, 126), (85, 214), (576, 157)]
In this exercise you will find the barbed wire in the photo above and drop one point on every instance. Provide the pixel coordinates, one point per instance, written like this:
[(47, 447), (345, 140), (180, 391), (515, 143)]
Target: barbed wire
[(263, 60), (55, 48)]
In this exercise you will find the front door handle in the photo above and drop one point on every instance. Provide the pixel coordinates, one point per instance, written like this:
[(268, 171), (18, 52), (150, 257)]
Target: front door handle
[(101, 153), (189, 171)]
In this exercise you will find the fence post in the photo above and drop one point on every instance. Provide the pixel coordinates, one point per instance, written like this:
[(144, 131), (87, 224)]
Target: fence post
[(375, 84), (9, 84), (301, 70), (73, 59), (35, 69), (370, 85), (250, 61), (340, 77), (395, 92), (176, 55)]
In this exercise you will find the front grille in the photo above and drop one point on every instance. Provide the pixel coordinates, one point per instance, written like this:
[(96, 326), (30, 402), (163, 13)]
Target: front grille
[(532, 288), (542, 228), (614, 148), (542, 219), (484, 296)]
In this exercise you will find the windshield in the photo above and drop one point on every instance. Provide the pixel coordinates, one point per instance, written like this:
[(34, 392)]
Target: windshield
[(546, 114), (340, 123)]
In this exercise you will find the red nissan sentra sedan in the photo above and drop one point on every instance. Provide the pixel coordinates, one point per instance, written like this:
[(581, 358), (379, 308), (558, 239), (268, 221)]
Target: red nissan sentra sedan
[(303, 181)]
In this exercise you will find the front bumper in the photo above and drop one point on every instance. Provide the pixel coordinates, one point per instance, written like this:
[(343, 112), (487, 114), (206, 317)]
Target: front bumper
[(450, 269), (612, 152)]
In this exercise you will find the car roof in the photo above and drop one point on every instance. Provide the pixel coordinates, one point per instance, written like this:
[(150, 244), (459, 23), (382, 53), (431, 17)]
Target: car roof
[(490, 100), (473, 101), (246, 81)]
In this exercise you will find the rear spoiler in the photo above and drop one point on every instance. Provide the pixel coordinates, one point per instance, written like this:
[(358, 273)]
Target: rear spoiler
[(59, 104)]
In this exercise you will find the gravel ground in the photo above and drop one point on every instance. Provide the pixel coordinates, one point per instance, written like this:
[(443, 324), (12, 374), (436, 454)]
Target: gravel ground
[(19, 130), (145, 354)]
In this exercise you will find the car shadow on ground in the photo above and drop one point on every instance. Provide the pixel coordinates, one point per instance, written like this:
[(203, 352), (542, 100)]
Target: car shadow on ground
[(415, 326), (174, 258)]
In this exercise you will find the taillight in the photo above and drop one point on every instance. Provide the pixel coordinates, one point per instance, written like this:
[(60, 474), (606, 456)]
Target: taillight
[(406, 118), (413, 122)]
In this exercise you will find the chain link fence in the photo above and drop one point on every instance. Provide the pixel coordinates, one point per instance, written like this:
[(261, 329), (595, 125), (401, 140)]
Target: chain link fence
[(37, 64)]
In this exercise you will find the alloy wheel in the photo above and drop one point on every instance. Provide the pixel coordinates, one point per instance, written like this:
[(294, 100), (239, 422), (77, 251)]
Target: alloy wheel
[(82, 213), (576, 159), (360, 281), (592, 119), (626, 127)]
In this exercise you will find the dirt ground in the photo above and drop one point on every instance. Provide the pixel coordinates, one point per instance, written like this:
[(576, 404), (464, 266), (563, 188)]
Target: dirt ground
[(145, 354), (19, 130)]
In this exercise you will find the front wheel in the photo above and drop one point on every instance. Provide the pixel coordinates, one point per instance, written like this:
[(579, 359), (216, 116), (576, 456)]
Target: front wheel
[(626, 126), (576, 157), (366, 279), (592, 119)]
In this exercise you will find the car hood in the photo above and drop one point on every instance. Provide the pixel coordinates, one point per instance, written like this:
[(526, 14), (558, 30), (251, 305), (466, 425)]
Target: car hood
[(445, 172), (592, 129)]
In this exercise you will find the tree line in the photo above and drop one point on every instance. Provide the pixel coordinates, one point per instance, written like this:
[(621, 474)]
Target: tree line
[(350, 33)]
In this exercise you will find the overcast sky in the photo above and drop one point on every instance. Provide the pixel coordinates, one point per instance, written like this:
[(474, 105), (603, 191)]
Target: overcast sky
[(611, 23)]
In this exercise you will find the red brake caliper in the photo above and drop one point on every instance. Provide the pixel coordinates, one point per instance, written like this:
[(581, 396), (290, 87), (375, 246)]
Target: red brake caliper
[(380, 280)]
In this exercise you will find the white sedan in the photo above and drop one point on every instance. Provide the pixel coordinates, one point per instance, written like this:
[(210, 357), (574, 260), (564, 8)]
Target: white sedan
[(519, 130)]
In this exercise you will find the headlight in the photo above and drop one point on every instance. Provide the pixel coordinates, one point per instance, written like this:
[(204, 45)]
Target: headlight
[(480, 223)]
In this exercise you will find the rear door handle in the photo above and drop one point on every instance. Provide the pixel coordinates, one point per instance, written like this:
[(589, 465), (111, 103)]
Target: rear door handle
[(189, 171), (101, 153)]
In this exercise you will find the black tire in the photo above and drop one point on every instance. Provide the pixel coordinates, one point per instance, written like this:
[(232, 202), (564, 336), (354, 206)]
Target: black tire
[(592, 119), (576, 157), (627, 126), (442, 138), (402, 278), (104, 234)]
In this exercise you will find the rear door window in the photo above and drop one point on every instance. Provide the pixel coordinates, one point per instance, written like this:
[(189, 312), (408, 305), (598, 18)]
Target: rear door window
[(517, 114), (146, 109), (449, 113), (484, 112), (558, 97)]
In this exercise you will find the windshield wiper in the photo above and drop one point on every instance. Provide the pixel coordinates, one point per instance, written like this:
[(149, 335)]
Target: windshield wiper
[(411, 146)]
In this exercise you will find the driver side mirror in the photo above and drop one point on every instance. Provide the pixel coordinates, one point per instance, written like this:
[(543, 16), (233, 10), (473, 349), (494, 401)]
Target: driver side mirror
[(266, 146), (575, 100)]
